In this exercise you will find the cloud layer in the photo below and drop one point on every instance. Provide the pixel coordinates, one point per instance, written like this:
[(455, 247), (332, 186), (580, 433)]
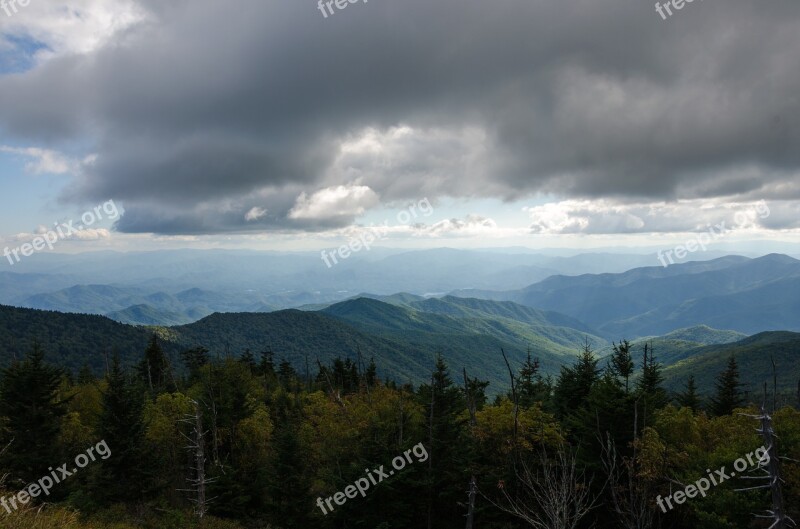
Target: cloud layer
[(253, 115)]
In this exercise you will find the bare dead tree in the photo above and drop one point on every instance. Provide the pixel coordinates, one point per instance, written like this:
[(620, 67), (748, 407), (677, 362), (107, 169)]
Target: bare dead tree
[(554, 492), (769, 468), (514, 398), (198, 481), (631, 493), (473, 492)]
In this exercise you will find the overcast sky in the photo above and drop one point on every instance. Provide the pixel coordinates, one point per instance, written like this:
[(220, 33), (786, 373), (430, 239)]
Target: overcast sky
[(264, 124)]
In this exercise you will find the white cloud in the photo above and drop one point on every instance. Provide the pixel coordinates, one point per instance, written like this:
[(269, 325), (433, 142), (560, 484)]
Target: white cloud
[(344, 201), (44, 161), (607, 217), (255, 213), (77, 26), (469, 226)]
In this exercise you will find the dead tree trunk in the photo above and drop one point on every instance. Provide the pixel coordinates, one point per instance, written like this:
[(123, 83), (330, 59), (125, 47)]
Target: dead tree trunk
[(197, 446), (770, 465)]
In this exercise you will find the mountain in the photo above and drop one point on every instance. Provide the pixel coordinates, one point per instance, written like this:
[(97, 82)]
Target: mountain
[(72, 340), (147, 315), (453, 328), (737, 293), (754, 356), (677, 344)]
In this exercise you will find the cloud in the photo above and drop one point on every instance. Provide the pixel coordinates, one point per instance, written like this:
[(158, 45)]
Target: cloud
[(470, 226), (45, 161), (345, 201), (255, 213), (607, 217), (196, 122)]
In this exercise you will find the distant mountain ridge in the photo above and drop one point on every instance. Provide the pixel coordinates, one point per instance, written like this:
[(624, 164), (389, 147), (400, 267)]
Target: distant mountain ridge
[(737, 293), (402, 340)]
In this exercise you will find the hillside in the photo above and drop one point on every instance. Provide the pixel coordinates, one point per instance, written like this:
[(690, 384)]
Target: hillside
[(71, 340), (745, 295), (753, 354)]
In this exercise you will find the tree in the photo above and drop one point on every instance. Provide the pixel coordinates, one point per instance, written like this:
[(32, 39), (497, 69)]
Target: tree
[(125, 475), (554, 492), (622, 364), (728, 391), (648, 386), (530, 385), (446, 475), (194, 360), (575, 383), (689, 398), (29, 402), (154, 369)]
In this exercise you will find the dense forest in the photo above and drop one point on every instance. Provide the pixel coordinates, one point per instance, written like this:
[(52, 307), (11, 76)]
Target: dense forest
[(249, 441)]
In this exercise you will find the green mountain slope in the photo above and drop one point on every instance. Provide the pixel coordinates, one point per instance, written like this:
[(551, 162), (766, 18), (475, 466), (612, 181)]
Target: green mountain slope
[(753, 355)]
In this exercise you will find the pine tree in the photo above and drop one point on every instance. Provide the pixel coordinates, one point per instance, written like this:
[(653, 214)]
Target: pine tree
[(154, 369), (447, 474), (575, 383), (648, 387), (622, 364), (125, 475), (689, 398), (194, 360), (249, 360), (728, 395), (531, 388), (29, 402)]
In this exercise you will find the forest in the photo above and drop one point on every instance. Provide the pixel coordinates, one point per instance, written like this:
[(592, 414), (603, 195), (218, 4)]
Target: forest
[(247, 441)]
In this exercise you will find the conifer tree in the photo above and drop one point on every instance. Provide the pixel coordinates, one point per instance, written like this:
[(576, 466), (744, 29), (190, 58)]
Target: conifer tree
[(689, 398), (125, 475), (575, 383), (29, 402), (622, 364), (446, 469), (154, 369), (531, 388), (728, 391)]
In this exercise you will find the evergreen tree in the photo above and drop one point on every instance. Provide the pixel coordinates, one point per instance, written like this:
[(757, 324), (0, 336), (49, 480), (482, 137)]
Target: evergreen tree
[(575, 383), (249, 360), (85, 375), (29, 402), (125, 475), (289, 486), (194, 360), (154, 369), (728, 391), (648, 387), (531, 387), (447, 475), (287, 375), (371, 376), (622, 364), (266, 366), (689, 398)]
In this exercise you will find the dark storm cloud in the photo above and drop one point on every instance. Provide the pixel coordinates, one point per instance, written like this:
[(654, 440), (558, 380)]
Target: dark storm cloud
[(213, 108)]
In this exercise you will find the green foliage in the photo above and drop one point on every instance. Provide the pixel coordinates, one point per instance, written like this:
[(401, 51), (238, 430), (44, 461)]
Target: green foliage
[(32, 412), (729, 393)]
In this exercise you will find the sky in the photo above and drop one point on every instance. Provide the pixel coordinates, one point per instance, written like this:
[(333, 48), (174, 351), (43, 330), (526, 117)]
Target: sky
[(286, 124)]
